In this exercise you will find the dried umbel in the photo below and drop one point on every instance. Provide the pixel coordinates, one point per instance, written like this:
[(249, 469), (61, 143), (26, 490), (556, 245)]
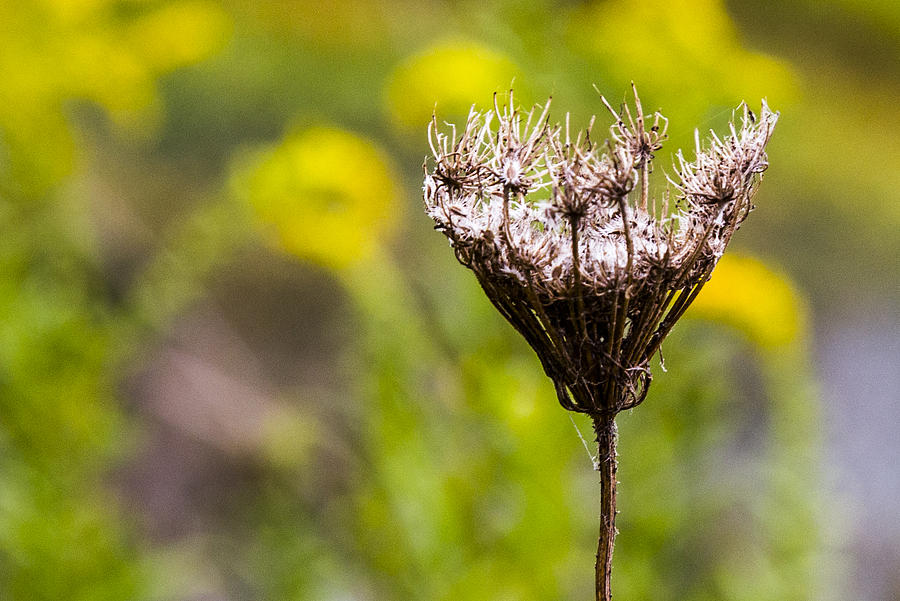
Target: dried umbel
[(562, 234), (570, 252)]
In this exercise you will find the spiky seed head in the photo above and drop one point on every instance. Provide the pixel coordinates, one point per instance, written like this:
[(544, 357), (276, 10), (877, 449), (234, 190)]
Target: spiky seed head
[(553, 229)]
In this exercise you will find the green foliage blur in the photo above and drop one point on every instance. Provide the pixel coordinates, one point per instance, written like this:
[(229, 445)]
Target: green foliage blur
[(236, 363)]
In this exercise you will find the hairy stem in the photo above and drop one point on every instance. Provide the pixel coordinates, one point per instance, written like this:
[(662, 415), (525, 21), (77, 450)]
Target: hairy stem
[(605, 428)]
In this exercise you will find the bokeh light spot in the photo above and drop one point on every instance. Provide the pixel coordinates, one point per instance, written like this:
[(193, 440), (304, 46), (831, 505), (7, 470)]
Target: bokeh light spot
[(327, 195)]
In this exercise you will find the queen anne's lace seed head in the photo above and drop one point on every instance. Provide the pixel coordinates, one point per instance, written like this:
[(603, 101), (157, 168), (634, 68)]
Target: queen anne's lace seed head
[(565, 242)]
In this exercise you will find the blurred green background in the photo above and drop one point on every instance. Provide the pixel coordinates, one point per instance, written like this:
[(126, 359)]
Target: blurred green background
[(236, 363)]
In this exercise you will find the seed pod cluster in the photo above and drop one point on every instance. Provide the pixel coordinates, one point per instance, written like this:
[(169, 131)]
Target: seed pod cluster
[(567, 244)]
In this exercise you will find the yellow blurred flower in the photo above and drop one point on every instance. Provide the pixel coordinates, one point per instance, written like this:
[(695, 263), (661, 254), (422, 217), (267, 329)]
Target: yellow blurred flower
[(177, 34), (683, 45), (446, 78), (747, 295), (55, 51), (325, 194)]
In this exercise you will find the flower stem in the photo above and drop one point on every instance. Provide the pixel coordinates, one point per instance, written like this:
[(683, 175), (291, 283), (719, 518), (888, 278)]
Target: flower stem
[(605, 428)]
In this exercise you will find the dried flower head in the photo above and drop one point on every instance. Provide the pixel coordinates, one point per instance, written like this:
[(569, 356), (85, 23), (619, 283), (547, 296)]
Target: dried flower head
[(566, 243)]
